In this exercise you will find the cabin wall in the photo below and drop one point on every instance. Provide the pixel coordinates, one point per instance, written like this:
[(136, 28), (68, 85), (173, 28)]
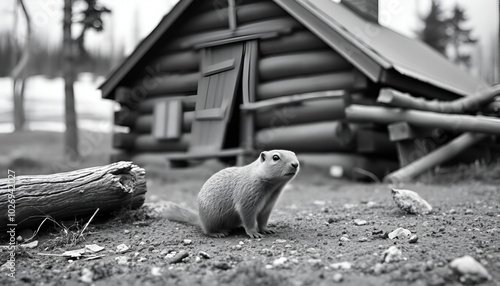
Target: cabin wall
[(291, 60)]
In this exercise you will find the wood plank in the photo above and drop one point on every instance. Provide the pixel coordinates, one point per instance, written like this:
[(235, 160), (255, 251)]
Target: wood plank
[(144, 122), (280, 25), (437, 157), (249, 84), (268, 104), (218, 67), (147, 106), (167, 84)]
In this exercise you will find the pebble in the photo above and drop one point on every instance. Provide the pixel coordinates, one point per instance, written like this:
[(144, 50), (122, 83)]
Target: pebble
[(470, 271), (371, 204), (359, 222), (126, 231), (345, 265), (378, 269), (469, 211), (156, 271), (399, 233), (179, 256), (452, 211), (122, 248), (280, 240), (221, 265), (363, 239), (87, 276), (204, 255), (311, 250), (410, 202), (344, 239), (187, 241), (315, 262), (392, 254), (337, 277), (121, 260), (413, 239), (280, 262), (266, 251)]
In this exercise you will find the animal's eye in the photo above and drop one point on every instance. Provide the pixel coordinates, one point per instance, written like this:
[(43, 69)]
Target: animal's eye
[(276, 157)]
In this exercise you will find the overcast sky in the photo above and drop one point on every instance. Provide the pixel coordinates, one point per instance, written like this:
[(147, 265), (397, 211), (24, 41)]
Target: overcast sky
[(132, 20)]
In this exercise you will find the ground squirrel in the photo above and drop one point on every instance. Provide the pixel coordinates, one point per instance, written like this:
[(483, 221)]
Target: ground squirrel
[(240, 196)]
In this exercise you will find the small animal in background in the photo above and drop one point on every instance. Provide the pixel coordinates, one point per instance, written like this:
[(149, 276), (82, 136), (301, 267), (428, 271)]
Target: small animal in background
[(240, 196)]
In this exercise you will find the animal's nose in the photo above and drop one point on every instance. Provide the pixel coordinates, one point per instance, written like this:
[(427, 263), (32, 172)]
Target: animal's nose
[(295, 165)]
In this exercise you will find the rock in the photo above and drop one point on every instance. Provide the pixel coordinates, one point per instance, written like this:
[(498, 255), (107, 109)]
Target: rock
[(341, 265), (399, 233), (280, 240), (121, 260), (337, 277), (87, 276), (122, 248), (413, 239), (311, 250), (32, 244), (363, 239), (360, 222), (93, 248), (344, 239), (280, 262), (156, 271), (469, 211), (378, 269), (187, 241), (469, 270), (410, 202), (267, 252), (392, 254), (315, 262), (221, 265), (204, 254), (179, 256)]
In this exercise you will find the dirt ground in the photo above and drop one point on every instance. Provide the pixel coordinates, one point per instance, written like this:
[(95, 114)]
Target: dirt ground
[(316, 230)]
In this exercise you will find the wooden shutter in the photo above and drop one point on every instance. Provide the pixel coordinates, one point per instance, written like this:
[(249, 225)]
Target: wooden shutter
[(167, 119), (220, 76)]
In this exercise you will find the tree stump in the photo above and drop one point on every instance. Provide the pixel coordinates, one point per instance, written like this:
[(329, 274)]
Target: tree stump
[(26, 200)]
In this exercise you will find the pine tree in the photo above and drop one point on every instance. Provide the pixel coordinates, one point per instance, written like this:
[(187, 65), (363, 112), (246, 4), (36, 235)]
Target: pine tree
[(459, 35), (434, 32)]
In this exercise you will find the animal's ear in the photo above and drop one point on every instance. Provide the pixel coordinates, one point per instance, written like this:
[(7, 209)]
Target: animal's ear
[(262, 157)]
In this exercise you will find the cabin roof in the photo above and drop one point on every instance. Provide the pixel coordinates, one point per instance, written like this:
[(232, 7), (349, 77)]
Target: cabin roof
[(370, 47)]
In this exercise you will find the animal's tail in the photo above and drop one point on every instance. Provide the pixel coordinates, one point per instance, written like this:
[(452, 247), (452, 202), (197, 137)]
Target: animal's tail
[(174, 212)]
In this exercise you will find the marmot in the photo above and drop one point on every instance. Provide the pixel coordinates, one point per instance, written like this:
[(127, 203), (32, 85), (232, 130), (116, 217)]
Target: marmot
[(240, 196)]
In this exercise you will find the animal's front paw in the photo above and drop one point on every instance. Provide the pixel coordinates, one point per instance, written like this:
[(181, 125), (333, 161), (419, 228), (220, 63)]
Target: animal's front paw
[(267, 231), (255, 235)]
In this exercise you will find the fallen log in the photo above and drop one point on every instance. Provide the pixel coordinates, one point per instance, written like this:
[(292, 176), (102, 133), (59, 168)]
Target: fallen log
[(451, 122), (467, 104), (70, 195), (436, 157)]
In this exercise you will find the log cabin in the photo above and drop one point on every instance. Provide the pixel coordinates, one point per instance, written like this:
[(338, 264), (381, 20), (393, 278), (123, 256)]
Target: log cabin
[(228, 78)]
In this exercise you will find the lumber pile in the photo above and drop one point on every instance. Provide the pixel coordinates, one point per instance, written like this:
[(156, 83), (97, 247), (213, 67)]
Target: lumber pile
[(430, 133)]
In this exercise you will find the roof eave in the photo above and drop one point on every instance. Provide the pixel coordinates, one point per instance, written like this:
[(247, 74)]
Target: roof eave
[(144, 46)]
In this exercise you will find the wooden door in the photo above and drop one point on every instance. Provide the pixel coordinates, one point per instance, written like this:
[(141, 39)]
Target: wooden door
[(220, 72)]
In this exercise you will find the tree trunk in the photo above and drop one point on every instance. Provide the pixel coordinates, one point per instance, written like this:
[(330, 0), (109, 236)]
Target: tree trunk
[(19, 72), (69, 49), (70, 195)]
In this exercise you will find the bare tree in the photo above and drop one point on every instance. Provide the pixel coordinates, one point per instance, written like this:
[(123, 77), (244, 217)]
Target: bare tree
[(73, 50), (19, 73)]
